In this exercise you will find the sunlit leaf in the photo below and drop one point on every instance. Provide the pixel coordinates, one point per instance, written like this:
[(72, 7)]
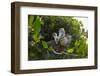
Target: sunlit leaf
[(36, 38), (37, 25), (77, 43), (30, 18), (44, 44), (70, 50)]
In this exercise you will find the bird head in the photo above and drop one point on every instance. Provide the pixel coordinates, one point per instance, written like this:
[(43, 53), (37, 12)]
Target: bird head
[(61, 32), (56, 38)]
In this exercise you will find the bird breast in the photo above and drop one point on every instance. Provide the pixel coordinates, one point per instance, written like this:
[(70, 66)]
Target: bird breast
[(63, 41)]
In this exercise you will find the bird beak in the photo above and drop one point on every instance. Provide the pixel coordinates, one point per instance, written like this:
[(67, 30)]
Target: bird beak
[(57, 40)]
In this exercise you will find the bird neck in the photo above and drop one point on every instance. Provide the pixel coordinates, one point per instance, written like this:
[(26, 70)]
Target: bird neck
[(61, 38)]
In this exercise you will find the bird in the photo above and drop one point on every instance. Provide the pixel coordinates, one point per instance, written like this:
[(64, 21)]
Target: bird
[(56, 38), (61, 41), (61, 33), (64, 39)]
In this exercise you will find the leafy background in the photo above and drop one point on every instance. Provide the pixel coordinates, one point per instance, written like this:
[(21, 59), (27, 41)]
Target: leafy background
[(40, 29)]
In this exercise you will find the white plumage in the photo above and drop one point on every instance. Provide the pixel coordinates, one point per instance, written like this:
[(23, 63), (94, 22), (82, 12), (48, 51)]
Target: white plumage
[(61, 33), (56, 38), (63, 41), (62, 38)]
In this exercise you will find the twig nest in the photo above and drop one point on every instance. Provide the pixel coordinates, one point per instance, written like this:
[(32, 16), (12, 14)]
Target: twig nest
[(58, 49)]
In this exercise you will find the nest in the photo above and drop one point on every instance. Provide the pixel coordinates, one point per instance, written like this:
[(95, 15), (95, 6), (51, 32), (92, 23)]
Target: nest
[(58, 49)]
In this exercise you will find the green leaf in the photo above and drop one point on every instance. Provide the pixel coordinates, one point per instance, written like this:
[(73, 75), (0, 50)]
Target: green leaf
[(30, 18), (44, 44), (70, 50), (77, 43), (36, 38), (50, 48), (37, 25)]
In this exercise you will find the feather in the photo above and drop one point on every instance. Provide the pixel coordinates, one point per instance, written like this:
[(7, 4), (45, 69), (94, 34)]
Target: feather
[(55, 37)]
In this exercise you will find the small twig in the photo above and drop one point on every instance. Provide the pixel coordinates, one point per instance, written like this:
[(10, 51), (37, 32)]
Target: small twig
[(71, 54), (58, 53)]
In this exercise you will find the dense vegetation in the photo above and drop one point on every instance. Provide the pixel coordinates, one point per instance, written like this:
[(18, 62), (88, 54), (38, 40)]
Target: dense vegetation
[(40, 29)]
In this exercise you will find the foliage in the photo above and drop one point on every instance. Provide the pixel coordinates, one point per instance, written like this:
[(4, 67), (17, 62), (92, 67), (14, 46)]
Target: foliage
[(44, 44), (40, 29)]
